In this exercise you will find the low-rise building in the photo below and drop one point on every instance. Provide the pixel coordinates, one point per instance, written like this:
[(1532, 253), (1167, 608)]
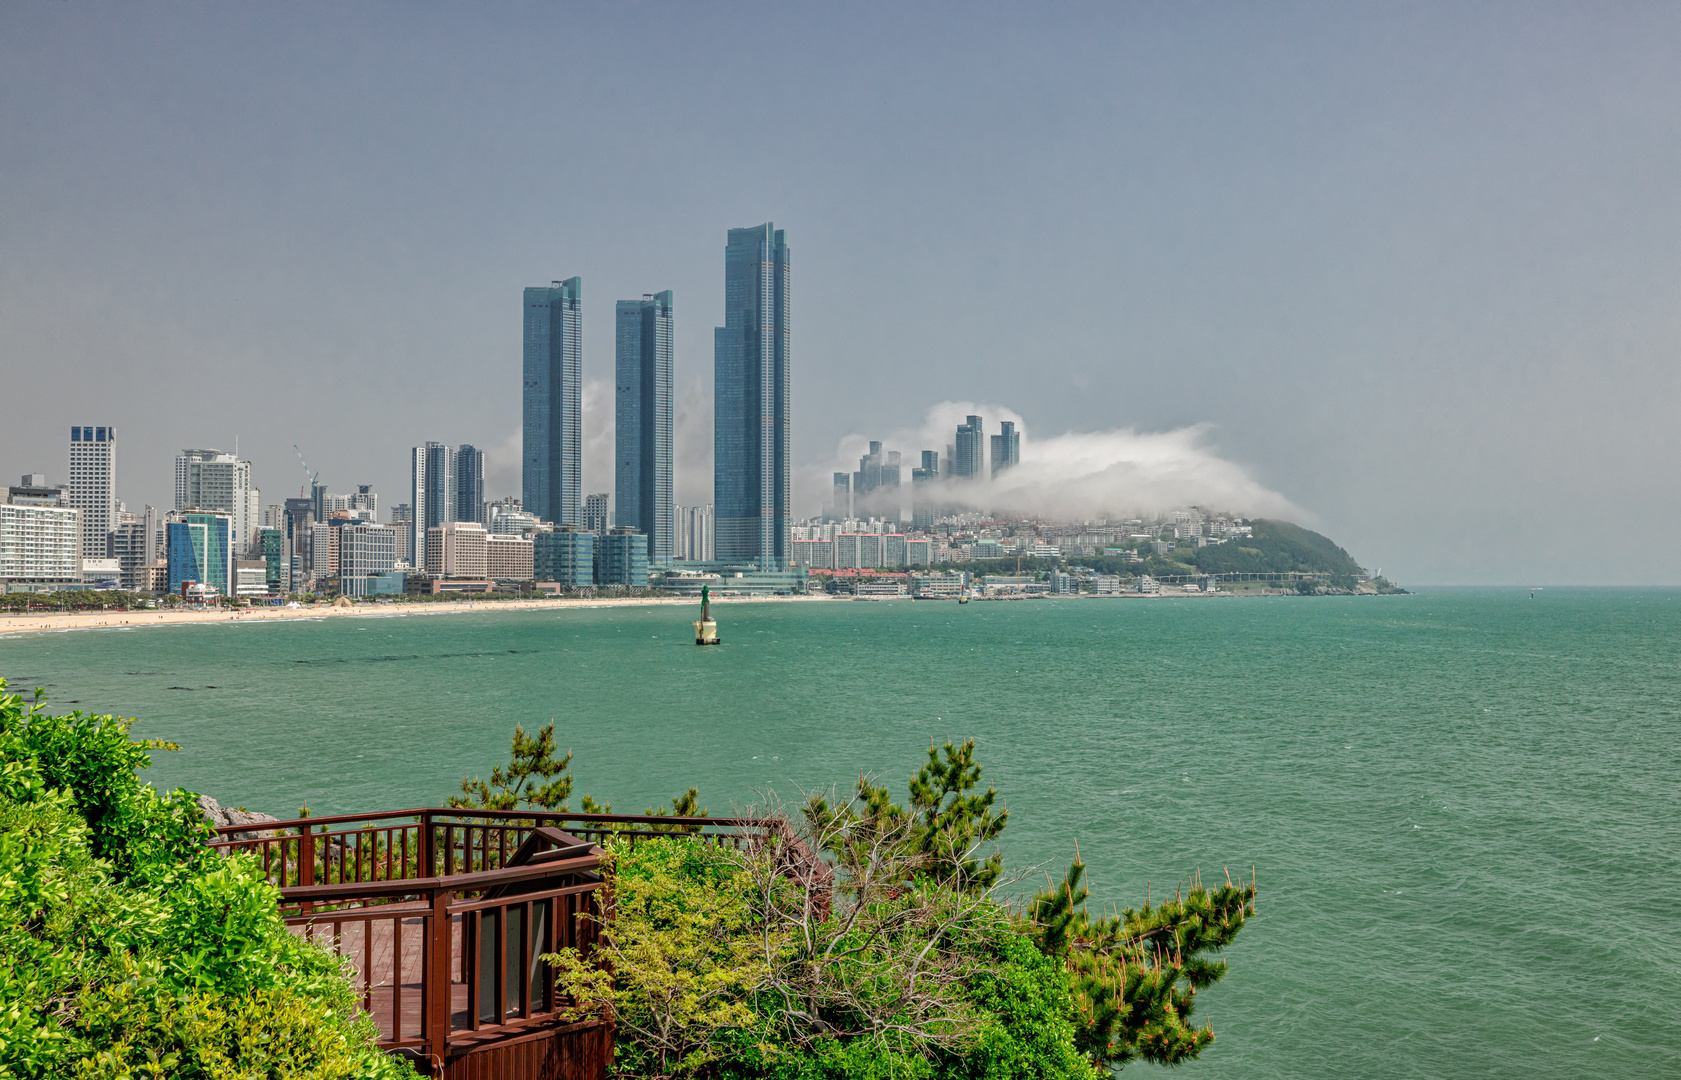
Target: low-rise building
[(1106, 584), (250, 577), (565, 556), (939, 586), (621, 558), (102, 574)]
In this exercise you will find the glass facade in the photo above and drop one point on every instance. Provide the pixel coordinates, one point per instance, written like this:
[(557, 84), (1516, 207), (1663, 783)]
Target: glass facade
[(469, 484), (642, 416), (566, 557), (1006, 447), (752, 489), (276, 570), (199, 549), (551, 473), (970, 457), (621, 558)]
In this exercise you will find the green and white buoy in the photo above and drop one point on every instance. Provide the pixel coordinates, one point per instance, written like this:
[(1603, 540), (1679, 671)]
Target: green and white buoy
[(706, 631)]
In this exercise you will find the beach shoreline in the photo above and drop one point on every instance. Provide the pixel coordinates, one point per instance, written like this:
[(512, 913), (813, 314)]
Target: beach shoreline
[(37, 622)]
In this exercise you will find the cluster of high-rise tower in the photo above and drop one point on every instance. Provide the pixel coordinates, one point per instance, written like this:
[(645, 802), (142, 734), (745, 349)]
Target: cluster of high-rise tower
[(873, 491), (752, 469)]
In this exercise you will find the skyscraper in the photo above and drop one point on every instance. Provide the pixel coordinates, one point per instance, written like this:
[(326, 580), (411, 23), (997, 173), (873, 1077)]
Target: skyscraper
[(642, 417), (552, 470), (923, 482), (469, 484), (840, 505), (431, 494), (1006, 447), (752, 431), (693, 539), (213, 480), (890, 487), (969, 458), (93, 485)]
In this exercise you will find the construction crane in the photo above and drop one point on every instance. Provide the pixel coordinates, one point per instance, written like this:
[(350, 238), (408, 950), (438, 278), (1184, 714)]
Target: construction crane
[(309, 477)]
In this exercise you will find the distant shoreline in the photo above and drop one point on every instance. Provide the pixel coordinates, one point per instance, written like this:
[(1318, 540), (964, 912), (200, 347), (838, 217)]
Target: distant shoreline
[(34, 623), (38, 623)]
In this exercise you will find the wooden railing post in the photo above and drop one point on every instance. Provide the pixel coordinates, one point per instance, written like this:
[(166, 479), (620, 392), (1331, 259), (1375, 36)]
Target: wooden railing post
[(437, 996), (426, 852), (306, 862)]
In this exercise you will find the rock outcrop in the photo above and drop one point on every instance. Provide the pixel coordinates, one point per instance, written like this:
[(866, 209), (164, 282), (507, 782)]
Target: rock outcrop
[(220, 817)]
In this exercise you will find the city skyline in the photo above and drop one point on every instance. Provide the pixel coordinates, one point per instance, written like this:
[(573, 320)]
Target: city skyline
[(1412, 273)]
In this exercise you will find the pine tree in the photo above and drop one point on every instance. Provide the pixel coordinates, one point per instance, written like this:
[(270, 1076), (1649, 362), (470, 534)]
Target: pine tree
[(1135, 975)]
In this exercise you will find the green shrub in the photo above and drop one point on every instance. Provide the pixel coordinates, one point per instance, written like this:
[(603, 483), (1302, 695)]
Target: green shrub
[(128, 949)]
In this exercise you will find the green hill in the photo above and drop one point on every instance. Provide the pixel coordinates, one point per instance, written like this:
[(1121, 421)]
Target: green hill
[(1277, 547)]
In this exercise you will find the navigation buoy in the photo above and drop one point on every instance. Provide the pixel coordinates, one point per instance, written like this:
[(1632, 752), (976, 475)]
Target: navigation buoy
[(706, 631)]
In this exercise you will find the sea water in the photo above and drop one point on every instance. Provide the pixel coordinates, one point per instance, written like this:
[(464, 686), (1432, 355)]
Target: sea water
[(1463, 807)]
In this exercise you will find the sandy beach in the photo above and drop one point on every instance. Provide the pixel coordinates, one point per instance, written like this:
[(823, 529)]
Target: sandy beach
[(38, 622)]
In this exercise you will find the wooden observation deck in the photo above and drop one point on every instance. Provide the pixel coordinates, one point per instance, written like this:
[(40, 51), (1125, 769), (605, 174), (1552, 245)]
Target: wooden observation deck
[(444, 915)]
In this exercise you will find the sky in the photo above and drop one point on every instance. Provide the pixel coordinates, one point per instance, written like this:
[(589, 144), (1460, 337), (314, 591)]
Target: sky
[(1406, 273)]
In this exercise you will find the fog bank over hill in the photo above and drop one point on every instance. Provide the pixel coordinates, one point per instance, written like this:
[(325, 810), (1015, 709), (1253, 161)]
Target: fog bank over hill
[(1075, 475)]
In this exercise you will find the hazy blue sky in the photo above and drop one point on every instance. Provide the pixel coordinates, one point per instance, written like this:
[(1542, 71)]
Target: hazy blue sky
[(1417, 267)]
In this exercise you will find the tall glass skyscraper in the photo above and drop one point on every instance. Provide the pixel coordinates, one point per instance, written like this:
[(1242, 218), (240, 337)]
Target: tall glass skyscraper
[(969, 459), (751, 433), (552, 469), (642, 419), (1006, 447), (469, 484)]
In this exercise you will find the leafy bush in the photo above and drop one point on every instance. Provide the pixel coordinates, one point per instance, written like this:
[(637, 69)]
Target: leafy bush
[(128, 949), (868, 941)]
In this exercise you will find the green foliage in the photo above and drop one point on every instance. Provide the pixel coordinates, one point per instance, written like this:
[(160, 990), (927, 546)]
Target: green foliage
[(685, 962), (1277, 547), (94, 761), (532, 763), (698, 984), (1135, 975), (684, 805), (73, 600), (127, 949), (953, 824), (945, 824)]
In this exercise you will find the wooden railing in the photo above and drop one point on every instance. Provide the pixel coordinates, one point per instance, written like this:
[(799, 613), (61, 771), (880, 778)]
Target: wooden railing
[(403, 844), (444, 914)]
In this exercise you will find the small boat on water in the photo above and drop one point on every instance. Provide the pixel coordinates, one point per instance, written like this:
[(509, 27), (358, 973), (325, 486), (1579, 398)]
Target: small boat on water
[(963, 598)]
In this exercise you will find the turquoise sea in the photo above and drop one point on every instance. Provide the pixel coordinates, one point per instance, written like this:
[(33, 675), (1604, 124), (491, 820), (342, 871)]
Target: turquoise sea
[(1464, 806)]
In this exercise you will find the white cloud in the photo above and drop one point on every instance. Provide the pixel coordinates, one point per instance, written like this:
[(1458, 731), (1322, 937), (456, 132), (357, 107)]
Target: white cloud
[(1073, 475)]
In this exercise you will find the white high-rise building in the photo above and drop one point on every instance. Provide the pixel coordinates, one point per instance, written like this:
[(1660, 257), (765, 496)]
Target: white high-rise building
[(221, 482), (93, 485), (692, 534)]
